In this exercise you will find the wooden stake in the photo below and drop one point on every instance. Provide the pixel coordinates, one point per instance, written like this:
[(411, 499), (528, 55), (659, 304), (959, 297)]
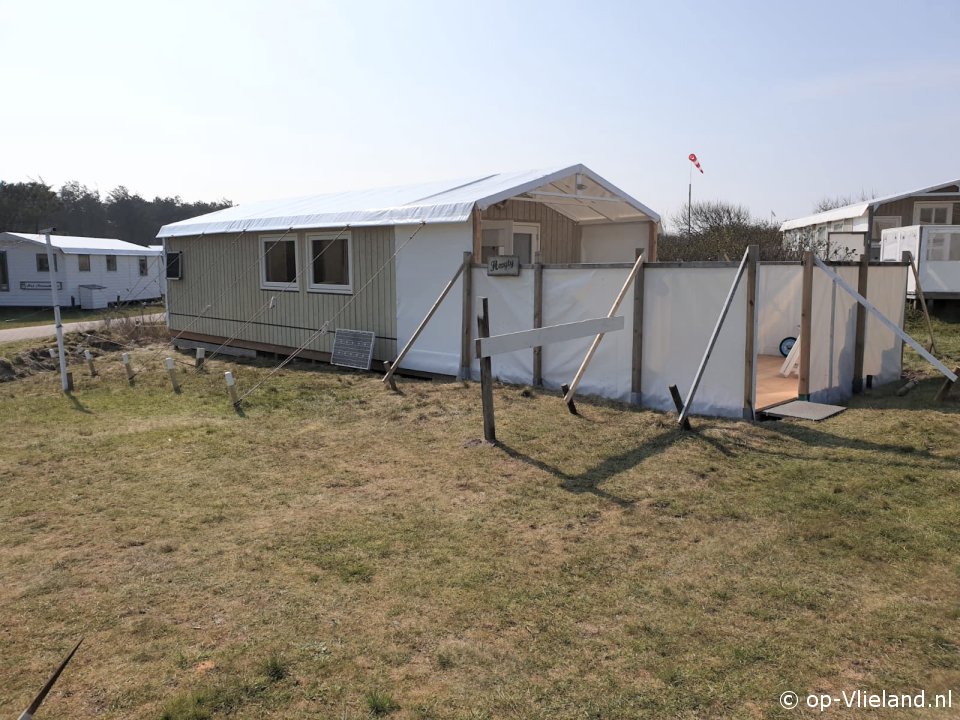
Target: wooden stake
[(88, 356), (537, 318), (571, 405), (232, 389), (201, 358), (486, 375), (923, 300), (636, 360), (467, 317), (806, 308), (125, 359), (387, 379), (568, 396), (392, 381), (946, 387), (749, 346), (861, 328), (172, 372), (907, 388), (678, 402)]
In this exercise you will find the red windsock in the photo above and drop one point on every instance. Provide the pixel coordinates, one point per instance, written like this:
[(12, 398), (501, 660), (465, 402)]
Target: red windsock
[(693, 159)]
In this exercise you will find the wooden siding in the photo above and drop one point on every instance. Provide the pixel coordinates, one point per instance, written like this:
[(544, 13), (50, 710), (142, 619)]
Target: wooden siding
[(904, 208), (559, 235), (224, 271)]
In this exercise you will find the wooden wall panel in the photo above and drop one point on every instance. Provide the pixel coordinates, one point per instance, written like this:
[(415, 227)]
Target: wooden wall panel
[(559, 235), (224, 271)]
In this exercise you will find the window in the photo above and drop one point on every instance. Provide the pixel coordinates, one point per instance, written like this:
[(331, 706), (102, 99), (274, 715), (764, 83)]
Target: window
[(505, 237), (4, 274), (942, 245), (526, 242), (142, 264), (43, 264), (84, 263), (884, 222), (111, 263), (278, 268), (931, 213), (174, 265), (330, 261)]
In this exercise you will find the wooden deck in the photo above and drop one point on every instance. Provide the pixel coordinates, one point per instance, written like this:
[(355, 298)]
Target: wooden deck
[(771, 387)]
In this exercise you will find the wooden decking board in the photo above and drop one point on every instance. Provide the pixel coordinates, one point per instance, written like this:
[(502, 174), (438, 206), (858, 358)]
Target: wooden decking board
[(772, 389)]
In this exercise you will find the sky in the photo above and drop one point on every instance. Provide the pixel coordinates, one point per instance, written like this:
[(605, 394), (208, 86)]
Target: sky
[(784, 103)]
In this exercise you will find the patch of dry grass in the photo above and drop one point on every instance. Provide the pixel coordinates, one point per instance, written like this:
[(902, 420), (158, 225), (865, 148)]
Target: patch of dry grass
[(346, 552)]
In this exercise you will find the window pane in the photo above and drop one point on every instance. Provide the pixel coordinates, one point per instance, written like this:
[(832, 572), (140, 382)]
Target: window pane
[(84, 262), (522, 245), (174, 266), (281, 261), (43, 264), (4, 276), (330, 262), (111, 263), (940, 216), (142, 263)]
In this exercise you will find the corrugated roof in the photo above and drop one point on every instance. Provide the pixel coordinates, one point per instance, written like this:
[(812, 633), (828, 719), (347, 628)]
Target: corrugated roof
[(857, 209), (435, 202), (72, 245)]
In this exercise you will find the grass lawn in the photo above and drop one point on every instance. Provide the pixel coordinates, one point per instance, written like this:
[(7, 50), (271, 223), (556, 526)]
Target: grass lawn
[(344, 552), (14, 317)]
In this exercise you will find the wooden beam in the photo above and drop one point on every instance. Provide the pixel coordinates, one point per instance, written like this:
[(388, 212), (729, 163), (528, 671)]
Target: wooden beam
[(654, 231), (806, 308), (923, 300), (713, 340), (568, 396), (636, 361), (467, 317), (537, 318), (861, 329), (423, 323), (898, 331), (477, 234), (678, 403), (524, 339), (486, 374), (749, 346)]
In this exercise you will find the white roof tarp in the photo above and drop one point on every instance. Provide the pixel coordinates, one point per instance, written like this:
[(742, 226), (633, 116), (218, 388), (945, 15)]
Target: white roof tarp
[(592, 199), (71, 245), (857, 209)]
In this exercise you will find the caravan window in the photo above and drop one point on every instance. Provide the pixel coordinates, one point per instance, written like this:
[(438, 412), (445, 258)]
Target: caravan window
[(929, 213), (142, 264), (278, 266), (330, 262), (83, 262), (111, 263), (174, 265), (4, 275), (943, 246), (43, 264)]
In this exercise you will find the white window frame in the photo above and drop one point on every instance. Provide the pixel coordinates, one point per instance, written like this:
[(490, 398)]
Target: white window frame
[(289, 285), (106, 262), (918, 206), (89, 262), (330, 287), (876, 232), (143, 266), (43, 256)]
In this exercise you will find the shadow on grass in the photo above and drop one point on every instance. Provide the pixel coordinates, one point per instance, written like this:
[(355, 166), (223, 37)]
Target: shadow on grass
[(589, 481), (77, 405)]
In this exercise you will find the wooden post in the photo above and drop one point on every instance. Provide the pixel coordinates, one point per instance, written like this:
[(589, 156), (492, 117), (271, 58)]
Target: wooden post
[(568, 396), (467, 317), (923, 300), (172, 372), (946, 387), (125, 359), (678, 402), (806, 307), (537, 317), (486, 375), (387, 379), (571, 405), (88, 356), (232, 389), (201, 358), (636, 361), (750, 343), (861, 329), (652, 242)]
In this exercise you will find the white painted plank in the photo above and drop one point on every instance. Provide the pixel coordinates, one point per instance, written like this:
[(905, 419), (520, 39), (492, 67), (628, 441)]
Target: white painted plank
[(525, 339)]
